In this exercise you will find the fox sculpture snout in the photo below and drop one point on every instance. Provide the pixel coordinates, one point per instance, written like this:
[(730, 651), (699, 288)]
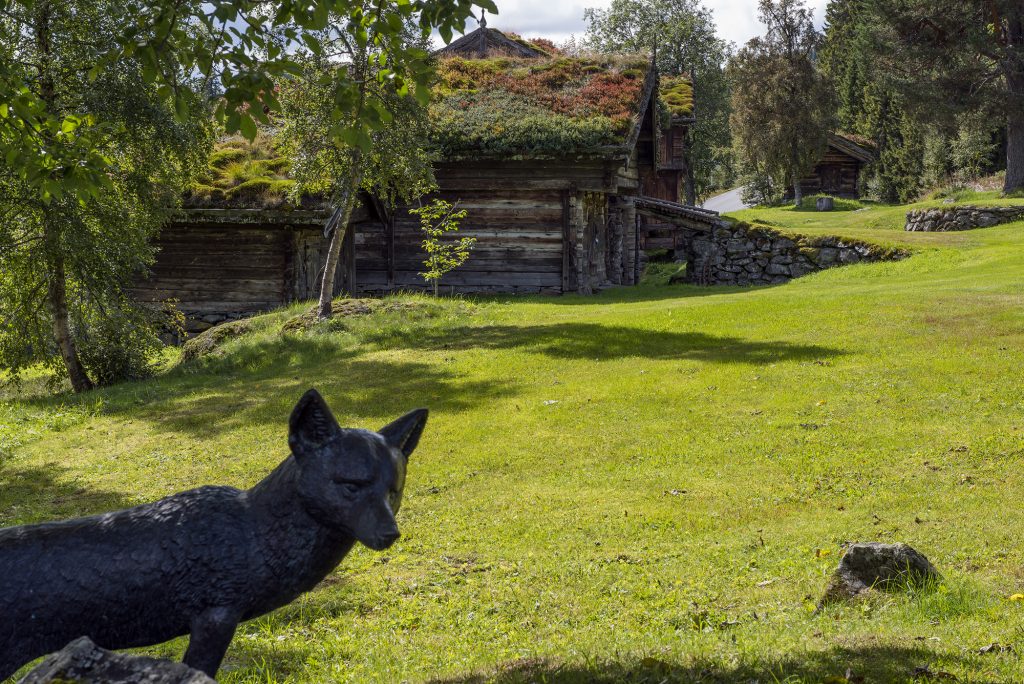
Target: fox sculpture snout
[(202, 561)]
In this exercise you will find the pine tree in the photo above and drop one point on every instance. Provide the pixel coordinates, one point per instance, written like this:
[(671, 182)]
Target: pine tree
[(948, 57), (869, 106)]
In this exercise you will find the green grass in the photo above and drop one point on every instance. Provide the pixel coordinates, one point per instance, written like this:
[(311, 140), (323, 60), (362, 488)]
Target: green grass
[(871, 221), (649, 485)]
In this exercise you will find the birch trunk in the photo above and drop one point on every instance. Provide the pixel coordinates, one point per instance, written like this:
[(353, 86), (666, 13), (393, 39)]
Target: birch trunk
[(347, 202)]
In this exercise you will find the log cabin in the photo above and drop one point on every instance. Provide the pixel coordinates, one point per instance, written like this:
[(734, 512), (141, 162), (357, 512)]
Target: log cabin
[(566, 165), (838, 172)]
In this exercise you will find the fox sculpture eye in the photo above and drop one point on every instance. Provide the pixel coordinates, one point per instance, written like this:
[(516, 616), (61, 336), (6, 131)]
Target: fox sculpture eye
[(204, 560)]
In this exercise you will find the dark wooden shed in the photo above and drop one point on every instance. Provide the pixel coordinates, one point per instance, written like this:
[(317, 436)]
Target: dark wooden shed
[(838, 172)]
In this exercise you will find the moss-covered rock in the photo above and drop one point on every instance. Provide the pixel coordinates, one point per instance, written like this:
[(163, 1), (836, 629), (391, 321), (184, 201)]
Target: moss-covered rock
[(208, 342)]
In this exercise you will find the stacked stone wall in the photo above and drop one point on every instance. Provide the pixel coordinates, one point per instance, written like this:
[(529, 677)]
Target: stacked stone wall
[(966, 217), (741, 254)]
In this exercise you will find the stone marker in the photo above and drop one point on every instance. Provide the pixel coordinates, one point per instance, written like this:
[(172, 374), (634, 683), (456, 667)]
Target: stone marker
[(826, 204), (83, 662), (873, 565)]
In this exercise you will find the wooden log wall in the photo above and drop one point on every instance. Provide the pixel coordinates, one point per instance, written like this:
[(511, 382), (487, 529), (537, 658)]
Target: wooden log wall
[(310, 250), (541, 227), (518, 245), (526, 218), (217, 269), (836, 174)]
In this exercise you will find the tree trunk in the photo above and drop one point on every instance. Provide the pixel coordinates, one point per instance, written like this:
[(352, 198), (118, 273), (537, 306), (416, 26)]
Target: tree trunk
[(690, 187), (689, 182), (56, 283), (347, 202), (1014, 153), (57, 296), (798, 192), (1015, 138)]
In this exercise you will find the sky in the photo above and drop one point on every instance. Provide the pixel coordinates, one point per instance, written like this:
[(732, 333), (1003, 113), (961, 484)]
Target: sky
[(558, 19)]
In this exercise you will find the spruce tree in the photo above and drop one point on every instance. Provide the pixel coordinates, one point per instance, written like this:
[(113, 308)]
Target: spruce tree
[(948, 57)]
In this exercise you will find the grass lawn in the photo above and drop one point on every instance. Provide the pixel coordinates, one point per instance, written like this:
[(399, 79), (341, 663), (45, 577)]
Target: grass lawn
[(649, 485)]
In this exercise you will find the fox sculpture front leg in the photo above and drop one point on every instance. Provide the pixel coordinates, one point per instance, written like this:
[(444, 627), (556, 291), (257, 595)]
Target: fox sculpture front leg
[(200, 562)]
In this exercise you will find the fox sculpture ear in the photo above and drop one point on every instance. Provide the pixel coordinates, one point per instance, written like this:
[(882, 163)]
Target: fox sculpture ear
[(311, 424), (404, 433)]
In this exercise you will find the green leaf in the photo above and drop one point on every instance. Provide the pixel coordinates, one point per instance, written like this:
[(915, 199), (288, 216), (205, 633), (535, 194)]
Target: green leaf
[(247, 126)]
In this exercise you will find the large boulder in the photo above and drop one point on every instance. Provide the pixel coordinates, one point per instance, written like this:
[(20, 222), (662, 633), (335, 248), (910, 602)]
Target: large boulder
[(83, 662), (873, 565)]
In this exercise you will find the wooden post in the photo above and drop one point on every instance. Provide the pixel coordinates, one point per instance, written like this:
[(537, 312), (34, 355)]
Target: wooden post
[(628, 218), (616, 253), (570, 208), (579, 226)]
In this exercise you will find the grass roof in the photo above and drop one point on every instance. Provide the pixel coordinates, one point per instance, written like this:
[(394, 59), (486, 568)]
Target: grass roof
[(243, 174), (496, 108), (536, 108), (677, 94)]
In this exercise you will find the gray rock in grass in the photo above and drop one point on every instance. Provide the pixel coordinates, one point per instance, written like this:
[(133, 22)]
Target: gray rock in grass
[(873, 565), (83, 662)]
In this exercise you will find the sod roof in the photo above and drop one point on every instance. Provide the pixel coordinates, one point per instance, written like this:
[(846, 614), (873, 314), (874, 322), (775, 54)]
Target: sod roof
[(246, 175), (547, 107), (538, 108)]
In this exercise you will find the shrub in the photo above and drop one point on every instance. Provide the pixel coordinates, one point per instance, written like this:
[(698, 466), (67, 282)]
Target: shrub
[(121, 343)]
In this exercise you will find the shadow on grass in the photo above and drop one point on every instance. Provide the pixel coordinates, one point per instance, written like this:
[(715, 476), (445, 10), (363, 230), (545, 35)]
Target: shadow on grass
[(867, 664), (641, 293), (603, 342), (258, 385), (36, 494)]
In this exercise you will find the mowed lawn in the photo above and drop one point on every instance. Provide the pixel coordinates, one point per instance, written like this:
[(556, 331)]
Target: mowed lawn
[(648, 485)]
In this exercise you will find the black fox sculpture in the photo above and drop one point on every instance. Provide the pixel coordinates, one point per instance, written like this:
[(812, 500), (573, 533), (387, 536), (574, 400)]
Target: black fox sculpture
[(201, 561)]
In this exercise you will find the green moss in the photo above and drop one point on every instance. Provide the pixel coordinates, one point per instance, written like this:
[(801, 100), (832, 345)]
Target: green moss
[(223, 157), (243, 174), (265, 190), (205, 193), (277, 166), (677, 94)]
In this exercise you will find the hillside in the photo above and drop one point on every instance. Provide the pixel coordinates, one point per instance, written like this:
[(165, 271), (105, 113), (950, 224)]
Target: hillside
[(650, 484)]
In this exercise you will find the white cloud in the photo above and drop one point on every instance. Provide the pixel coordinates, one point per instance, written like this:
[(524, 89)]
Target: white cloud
[(558, 19)]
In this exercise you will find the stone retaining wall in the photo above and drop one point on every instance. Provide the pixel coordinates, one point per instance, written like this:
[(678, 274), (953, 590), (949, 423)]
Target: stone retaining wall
[(741, 254), (966, 217)]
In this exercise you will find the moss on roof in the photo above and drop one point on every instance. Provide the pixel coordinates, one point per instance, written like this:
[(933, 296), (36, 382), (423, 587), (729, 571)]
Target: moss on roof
[(535, 108), (677, 94), (497, 108), (242, 174), (540, 44)]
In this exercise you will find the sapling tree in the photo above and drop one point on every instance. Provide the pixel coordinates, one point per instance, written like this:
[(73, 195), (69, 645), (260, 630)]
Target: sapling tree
[(393, 162), (437, 220)]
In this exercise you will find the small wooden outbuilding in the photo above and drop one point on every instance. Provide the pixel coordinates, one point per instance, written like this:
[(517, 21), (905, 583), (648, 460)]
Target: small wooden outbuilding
[(548, 153), (838, 172)]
